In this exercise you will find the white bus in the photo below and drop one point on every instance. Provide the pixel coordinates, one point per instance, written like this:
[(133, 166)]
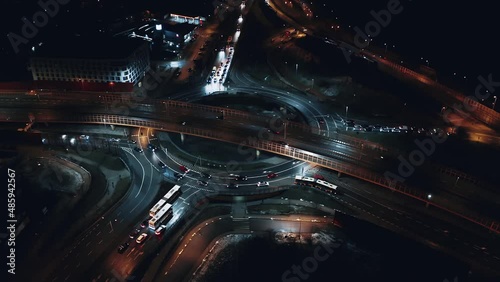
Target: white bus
[(304, 180), (172, 194), (160, 217), (317, 183), (157, 207)]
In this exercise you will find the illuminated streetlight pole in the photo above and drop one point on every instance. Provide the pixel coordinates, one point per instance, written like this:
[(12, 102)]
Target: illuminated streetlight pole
[(494, 102), (428, 200)]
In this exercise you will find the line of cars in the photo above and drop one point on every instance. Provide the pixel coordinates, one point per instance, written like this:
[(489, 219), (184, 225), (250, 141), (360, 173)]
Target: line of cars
[(218, 73), (236, 177), (389, 129), (136, 234)]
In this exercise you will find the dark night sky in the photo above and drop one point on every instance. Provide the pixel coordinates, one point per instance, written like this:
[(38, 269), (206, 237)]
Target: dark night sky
[(457, 36)]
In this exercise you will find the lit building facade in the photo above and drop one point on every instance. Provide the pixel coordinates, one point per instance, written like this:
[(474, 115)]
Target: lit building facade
[(116, 61)]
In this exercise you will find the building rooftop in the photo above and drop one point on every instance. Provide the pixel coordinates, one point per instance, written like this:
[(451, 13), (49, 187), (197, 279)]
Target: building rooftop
[(180, 28), (89, 48)]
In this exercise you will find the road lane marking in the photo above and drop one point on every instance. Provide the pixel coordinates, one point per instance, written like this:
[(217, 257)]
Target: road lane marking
[(359, 201), (89, 253), (99, 242)]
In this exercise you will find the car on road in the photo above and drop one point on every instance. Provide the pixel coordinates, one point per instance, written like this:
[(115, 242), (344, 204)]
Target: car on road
[(272, 175), (184, 169), (202, 183), (241, 178), (132, 141), (319, 176), (134, 234), (137, 149), (205, 175), (141, 238), (321, 120), (178, 175), (162, 164), (160, 230), (123, 247), (152, 147), (232, 185), (144, 223), (262, 184)]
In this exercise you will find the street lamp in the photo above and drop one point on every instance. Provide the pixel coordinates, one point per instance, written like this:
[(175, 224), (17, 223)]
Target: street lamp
[(346, 109), (494, 102), (428, 200), (296, 69)]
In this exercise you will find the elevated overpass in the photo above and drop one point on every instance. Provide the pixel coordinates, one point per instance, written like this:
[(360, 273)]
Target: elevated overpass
[(270, 146)]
